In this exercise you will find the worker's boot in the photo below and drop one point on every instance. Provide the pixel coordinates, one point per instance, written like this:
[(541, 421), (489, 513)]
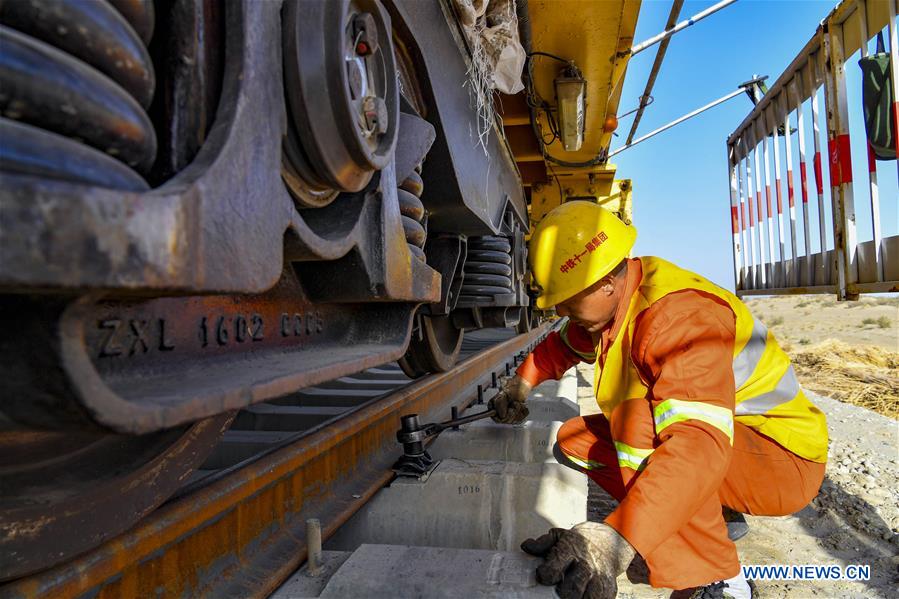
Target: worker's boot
[(732, 588), (737, 527)]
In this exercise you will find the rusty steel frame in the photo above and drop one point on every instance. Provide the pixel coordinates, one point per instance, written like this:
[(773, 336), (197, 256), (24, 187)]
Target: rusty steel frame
[(224, 224), (843, 207), (226, 234), (244, 534)]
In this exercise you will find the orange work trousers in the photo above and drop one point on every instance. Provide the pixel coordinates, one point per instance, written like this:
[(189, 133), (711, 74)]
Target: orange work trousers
[(763, 479)]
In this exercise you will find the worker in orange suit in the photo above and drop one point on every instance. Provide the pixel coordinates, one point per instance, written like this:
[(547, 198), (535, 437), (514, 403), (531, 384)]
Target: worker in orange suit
[(700, 409)]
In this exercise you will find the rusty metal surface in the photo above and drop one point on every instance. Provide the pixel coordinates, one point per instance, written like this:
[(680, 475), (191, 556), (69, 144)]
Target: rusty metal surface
[(29, 150), (95, 32), (464, 191), (344, 102), (48, 88), (266, 427), (140, 14), (222, 223), (143, 365), (62, 494), (242, 535), (189, 51)]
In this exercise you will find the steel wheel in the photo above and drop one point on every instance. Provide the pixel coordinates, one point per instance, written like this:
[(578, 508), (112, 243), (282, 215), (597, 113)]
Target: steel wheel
[(62, 493), (525, 323), (436, 349)]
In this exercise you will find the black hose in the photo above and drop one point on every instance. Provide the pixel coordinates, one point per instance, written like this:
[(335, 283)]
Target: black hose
[(524, 24)]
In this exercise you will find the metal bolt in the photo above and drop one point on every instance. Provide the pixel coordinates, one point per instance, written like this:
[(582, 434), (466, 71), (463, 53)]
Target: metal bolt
[(493, 380), (410, 424), (313, 547), (375, 110), (454, 414), (480, 394), (365, 34)]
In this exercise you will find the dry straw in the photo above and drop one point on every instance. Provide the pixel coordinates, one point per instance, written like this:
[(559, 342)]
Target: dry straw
[(863, 376)]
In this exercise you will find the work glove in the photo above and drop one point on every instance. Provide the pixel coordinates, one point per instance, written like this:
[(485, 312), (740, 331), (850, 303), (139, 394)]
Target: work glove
[(584, 561), (509, 402)]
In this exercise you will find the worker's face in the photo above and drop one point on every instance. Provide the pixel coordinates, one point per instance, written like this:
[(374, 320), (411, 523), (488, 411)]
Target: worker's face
[(594, 307)]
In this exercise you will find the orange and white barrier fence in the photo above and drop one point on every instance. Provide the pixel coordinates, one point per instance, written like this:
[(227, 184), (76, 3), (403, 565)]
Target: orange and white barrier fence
[(765, 261)]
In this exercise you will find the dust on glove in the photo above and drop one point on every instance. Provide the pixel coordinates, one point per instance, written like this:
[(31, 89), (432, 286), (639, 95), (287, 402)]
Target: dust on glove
[(509, 403), (582, 562)]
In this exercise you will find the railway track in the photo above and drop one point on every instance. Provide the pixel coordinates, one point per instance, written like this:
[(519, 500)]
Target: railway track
[(237, 526)]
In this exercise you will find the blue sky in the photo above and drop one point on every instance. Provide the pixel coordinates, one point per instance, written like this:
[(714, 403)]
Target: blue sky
[(681, 187)]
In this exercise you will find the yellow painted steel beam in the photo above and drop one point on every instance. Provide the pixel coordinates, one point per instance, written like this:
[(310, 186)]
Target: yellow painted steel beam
[(597, 35), (614, 194)]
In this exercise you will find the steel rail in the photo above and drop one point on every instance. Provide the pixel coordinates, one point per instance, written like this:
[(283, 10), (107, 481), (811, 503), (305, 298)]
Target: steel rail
[(241, 536)]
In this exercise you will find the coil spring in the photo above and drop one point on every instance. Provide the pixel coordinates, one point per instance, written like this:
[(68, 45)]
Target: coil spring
[(412, 213), (487, 271), (76, 79)]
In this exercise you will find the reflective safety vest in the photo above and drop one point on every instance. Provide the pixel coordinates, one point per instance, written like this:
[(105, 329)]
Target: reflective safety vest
[(768, 396)]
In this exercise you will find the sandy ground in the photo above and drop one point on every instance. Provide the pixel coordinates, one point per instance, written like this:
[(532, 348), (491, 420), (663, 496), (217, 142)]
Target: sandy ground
[(855, 518), (809, 319)]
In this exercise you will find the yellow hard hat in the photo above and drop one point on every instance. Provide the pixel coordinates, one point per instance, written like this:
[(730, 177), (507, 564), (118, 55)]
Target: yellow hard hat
[(574, 246)]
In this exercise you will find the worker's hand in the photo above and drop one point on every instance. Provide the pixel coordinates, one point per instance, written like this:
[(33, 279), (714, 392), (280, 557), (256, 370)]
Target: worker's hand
[(509, 402), (584, 561)]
